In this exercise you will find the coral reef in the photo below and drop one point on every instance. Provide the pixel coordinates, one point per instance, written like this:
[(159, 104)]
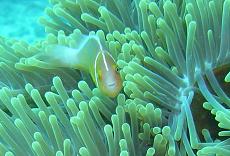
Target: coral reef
[(174, 58)]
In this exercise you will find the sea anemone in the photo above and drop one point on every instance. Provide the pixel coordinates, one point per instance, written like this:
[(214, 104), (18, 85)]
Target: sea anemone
[(174, 58)]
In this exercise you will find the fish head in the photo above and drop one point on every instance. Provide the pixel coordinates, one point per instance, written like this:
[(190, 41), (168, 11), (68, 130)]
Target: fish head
[(107, 74)]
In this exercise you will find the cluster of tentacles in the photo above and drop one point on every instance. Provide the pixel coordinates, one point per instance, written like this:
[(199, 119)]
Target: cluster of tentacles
[(174, 57)]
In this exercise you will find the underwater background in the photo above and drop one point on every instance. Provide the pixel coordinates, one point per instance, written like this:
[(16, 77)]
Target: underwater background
[(18, 19), (174, 60)]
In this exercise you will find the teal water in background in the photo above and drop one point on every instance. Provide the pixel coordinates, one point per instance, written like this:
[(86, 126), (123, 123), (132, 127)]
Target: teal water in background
[(18, 19)]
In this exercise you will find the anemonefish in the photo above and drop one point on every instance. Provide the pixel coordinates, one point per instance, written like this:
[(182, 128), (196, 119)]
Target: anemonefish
[(89, 56)]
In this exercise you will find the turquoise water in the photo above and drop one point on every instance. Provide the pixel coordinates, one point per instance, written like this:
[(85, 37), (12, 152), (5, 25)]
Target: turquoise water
[(18, 19)]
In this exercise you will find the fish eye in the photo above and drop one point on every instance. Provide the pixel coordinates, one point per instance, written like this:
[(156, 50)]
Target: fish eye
[(117, 68)]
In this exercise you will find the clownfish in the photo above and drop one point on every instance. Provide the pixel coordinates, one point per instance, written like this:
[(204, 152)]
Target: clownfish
[(88, 56)]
